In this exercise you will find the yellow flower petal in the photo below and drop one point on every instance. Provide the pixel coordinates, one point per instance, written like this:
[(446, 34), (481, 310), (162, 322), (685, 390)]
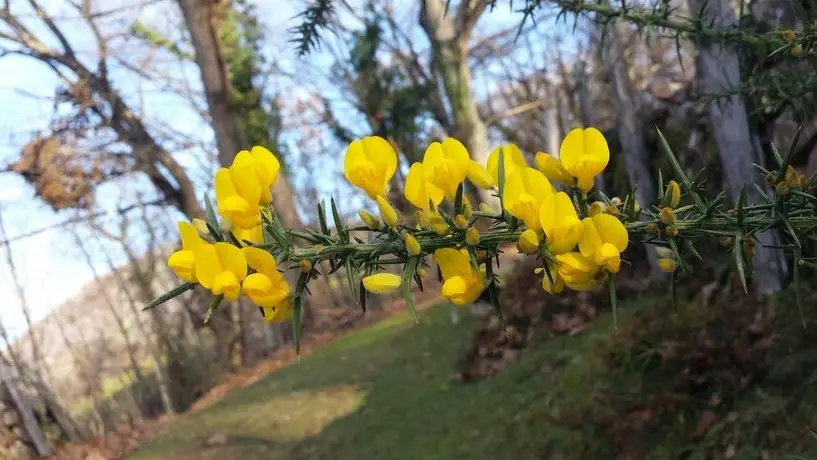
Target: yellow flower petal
[(190, 235), (600, 229), (667, 265), (245, 180), (387, 212), (528, 242), (231, 259), (558, 283), (227, 284), (513, 160), (207, 264), (267, 164), (584, 154), (369, 164), (479, 176), (524, 193), (560, 222), (445, 165), (418, 191), (278, 313), (183, 264), (260, 260), (454, 286), (552, 168), (254, 235), (453, 262), (381, 283)]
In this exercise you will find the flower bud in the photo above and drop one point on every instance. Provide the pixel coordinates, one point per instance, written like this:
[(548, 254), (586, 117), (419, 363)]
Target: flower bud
[(612, 210), (201, 227), (467, 210), (667, 215), (788, 35), (616, 201), (672, 195), (381, 283), (667, 265), (671, 232), (771, 177), (797, 50), (792, 177), (804, 182), (368, 219), (782, 188), (528, 242), (651, 228), (461, 222), (412, 245), (387, 212), (439, 225), (472, 237), (596, 208), (422, 219), (306, 265), (725, 241)]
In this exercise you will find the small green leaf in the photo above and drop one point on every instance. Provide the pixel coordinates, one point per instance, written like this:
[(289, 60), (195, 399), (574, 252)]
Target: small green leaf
[(611, 277), (175, 292), (458, 200), (679, 171), (212, 220), (740, 263), (405, 284), (212, 308), (339, 227), (350, 278), (297, 306), (322, 217)]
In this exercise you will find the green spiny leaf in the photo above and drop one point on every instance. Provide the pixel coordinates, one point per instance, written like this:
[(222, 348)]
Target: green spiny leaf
[(339, 227), (175, 292), (212, 220), (679, 171), (611, 277), (322, 217), (297, 306), (212, 308), (405, 284)]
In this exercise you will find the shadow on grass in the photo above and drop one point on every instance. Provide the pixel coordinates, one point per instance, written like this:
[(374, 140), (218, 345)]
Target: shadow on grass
[(390, 391)]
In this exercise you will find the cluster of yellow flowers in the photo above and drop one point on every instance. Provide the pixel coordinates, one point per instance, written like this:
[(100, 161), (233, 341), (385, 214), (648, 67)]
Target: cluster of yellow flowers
[(551, 218), (243, 193), (580, 242)]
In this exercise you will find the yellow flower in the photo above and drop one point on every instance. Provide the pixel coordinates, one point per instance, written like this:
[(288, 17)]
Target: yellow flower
[(418, 191), (666, 261), (278, 313), (445, 165), (381, 283), (460, 222), (463, 283), (238, 193), (368, 219), (267, 287), (267, 168), (369, 164), (412, 245), (472, 237), (221, 268), (387, 212), (577, 271), (673, 194), (528, 242), (552, 168), (558, 283), (479, 176), (525, 191), (254, 235), (603, 239), (182, 262), (513, 161), (584, 154), (560, 222)]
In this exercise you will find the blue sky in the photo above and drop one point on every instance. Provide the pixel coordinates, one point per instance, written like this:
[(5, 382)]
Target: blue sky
[(50, 267)]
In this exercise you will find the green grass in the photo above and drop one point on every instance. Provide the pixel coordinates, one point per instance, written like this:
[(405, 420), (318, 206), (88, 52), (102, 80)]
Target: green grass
[(389, 392)]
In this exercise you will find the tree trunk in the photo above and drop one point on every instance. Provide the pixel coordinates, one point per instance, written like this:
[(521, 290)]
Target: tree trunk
[(449, 44), (26, 412), (719, 71), (630, 132)]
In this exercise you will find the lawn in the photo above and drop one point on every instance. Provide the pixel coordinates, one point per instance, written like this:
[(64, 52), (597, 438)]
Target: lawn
[(390, 392)]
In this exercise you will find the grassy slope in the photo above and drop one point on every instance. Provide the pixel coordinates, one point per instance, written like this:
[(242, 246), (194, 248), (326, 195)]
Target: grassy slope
[(388, 392)]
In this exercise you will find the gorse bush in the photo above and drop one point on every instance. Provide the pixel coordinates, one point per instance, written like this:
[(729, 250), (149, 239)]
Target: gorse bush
[(551, 212)]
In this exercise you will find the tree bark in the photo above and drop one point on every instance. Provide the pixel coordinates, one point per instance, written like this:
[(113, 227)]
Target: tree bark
[(449, 39), (26, 412), (630, 132), (719, 71)]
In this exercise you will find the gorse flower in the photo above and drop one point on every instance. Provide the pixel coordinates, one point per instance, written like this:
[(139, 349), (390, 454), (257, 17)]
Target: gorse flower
[(267, 287), (387, 212), (369, 164), (221, 267), (553, 169), (418, 191), (381, 283), (463, 283), (445, 165), (602, 240), (525, 192), (513, 161), (584, 154), (182, 262), (479, 176), (528, 242), (560, 222), (552, 287), (577, 271)]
